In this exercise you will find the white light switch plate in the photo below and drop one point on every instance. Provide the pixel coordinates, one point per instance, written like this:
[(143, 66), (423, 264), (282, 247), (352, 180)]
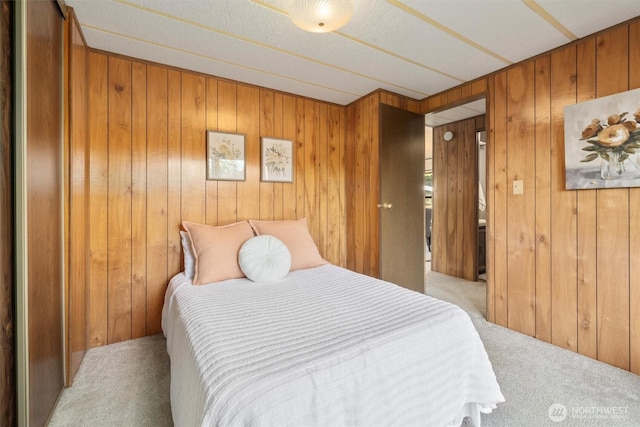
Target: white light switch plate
[(518, 186)]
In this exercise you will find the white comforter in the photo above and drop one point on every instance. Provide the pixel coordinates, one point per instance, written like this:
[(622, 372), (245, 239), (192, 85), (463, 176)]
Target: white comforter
[(322, 347)]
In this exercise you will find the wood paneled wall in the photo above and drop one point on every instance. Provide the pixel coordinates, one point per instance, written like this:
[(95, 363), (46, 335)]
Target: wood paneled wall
[(7, 314), (78, 197), (147, 127), (455, 199), (363, 179), (44, 201), (564, 264)]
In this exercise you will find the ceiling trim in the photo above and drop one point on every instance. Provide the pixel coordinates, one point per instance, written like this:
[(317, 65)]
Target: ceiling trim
[(447, 30), (257, 43), (531, 4)]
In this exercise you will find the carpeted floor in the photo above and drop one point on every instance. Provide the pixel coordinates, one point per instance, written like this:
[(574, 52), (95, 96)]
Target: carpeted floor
[(127, 384)]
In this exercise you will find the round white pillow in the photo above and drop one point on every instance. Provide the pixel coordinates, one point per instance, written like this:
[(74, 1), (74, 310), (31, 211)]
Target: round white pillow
[(264, 259)]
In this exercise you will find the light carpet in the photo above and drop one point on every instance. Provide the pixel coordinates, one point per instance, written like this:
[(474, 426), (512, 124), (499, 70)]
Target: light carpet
[(127, 384)]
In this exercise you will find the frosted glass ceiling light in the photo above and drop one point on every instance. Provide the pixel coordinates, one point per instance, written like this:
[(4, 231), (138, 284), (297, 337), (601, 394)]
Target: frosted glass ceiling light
[(320, 16)]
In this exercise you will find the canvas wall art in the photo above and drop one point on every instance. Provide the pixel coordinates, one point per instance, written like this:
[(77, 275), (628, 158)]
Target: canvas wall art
[(602, 142)]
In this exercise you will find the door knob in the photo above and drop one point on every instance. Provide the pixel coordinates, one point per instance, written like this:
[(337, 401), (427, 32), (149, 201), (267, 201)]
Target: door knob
[(385, 206)]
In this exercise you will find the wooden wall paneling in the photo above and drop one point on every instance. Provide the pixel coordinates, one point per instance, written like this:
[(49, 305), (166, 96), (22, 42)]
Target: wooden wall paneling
[(211, 187), (311, 137), (634, 275), (267, 125), (157, 195), (373, 194), (543, 198), (98, 195), (249, 124), (351, 184), (634, 222), (174, 174), (479, 87), (521, 207), (119, 201), (139, 200), (323, 179), (227, 122), (500, 189), (290, 132), (454, 95), (390, 99), (439, 241), (78, 201), (147, 136), (587, 221), (613, 236), (193, 139), (452, 201), (490, 194), (359, 192), (300, 151), (335, 205), (278, 132), (470, 202), (563, 220), (459, 214), (437, 101), (342, 182)]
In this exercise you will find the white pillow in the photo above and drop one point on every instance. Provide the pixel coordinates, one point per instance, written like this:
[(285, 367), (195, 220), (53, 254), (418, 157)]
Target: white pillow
[(264, 259), (189, 258)]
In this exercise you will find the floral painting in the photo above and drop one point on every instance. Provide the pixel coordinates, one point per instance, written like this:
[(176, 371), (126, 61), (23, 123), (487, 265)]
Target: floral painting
[(225, 156), (602, 142), (277, 160)]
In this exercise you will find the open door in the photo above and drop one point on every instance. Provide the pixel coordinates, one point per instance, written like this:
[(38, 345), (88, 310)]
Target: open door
[(402, 235)]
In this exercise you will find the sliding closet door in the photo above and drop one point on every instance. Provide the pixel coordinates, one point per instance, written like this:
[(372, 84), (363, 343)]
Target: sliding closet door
[(7, 348), (39, 209)]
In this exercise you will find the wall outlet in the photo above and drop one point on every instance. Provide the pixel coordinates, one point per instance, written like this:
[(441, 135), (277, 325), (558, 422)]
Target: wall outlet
[(518, 186)]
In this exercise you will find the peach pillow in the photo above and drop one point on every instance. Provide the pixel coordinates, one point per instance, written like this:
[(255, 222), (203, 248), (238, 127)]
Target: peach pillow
[(295, 235), (216, 250)]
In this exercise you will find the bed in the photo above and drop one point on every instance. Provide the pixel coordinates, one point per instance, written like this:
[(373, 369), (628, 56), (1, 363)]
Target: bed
[(321, 346)]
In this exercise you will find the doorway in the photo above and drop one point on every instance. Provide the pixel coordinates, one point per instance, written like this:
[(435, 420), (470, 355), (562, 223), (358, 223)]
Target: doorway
[(458, 202)]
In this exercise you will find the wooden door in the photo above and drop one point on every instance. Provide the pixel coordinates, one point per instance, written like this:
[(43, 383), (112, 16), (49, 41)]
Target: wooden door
[(402, 236)]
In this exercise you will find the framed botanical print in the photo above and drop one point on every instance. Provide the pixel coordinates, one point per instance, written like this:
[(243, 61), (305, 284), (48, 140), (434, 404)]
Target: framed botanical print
[(276, 160), (225, 156)]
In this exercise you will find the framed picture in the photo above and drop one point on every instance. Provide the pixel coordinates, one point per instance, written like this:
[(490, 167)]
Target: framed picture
[(225, 156), (602, 142), (276, 160)]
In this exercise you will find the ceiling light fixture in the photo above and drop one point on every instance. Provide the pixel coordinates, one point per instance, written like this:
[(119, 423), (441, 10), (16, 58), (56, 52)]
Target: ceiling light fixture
[(320, 16)]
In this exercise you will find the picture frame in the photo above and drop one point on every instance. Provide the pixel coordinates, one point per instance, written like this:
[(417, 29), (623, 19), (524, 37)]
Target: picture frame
[(276, 160), (225, 156), (602, 142)]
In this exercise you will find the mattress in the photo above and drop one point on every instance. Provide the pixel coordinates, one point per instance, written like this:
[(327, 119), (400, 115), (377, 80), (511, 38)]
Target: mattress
[(322, 347)]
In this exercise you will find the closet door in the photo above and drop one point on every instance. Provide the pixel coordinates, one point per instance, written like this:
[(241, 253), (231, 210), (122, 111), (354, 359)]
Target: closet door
[(402, 236)]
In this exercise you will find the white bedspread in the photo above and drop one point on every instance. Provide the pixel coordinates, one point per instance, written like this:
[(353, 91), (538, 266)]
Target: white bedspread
[(322, 347)]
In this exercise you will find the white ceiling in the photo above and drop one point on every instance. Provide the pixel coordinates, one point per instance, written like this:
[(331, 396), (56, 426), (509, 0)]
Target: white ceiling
[(411, 47)]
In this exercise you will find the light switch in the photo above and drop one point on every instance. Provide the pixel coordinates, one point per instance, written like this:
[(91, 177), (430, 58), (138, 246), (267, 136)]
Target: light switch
[(518, 186)]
